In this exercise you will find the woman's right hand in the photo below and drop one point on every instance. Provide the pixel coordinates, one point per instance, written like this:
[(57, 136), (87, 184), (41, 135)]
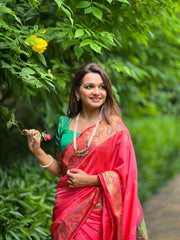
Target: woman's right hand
[(34, 140)]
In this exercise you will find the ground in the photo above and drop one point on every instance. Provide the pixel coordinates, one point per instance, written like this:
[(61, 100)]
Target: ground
[(162, 212)]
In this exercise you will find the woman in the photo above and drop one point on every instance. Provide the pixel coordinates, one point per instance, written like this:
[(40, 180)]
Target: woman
[(97, 194)]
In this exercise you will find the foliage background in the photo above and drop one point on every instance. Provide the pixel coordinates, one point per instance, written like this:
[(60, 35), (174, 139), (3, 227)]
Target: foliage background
[(136, 41)]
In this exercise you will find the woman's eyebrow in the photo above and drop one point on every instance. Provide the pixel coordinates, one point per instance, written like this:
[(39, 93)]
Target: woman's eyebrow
[(93, 83)]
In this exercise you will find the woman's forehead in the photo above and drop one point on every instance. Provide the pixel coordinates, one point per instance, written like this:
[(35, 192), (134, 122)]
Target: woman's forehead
[(92, 78)]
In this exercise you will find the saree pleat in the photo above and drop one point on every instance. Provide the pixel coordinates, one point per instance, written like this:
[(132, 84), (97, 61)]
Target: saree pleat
[(111, 211), (92, 228)]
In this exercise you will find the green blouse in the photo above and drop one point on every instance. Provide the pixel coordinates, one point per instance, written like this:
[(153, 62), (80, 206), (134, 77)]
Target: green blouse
[(63, 136)]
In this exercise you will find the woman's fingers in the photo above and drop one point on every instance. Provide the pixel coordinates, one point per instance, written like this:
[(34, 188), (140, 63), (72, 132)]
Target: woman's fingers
[(76, 178), (32, 132), (70, 180), (33, 138), (72, 171)]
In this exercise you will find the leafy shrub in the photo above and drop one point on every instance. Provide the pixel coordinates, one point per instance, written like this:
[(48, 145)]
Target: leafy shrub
[(157, 147), (26, 201)]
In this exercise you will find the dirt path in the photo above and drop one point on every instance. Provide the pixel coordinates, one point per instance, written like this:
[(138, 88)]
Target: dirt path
[(162, 212)]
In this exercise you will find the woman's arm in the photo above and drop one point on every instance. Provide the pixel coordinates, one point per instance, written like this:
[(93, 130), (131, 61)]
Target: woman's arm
[(34, 144), (44, 160)]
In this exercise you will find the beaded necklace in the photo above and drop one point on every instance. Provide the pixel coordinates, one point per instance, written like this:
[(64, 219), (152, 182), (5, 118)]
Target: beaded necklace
[(84, 151)]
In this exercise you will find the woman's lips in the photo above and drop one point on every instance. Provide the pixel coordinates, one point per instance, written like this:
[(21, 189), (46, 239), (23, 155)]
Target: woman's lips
[(95, 99)]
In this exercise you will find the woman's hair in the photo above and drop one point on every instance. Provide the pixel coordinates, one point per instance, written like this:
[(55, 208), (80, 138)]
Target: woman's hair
[(108, 108)]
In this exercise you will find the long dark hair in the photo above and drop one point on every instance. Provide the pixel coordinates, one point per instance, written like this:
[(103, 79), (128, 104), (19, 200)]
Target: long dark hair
[(110, 105)]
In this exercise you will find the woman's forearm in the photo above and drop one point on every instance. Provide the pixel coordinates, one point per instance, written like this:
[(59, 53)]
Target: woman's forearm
[(94, 180), (45, 160)]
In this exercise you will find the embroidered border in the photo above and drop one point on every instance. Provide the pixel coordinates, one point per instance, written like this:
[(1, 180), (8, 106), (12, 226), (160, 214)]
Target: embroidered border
[(142, 231)]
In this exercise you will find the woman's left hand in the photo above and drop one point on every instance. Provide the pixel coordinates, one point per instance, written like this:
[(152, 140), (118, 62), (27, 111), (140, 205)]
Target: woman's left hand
[(78, 178)]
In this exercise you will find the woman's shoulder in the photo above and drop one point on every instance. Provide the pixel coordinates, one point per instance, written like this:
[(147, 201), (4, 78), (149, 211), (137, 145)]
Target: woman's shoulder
[(63, 120), (117, 122), (116, 119)]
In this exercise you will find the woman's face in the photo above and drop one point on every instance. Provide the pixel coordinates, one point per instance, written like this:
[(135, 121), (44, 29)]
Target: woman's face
[(92, 91)]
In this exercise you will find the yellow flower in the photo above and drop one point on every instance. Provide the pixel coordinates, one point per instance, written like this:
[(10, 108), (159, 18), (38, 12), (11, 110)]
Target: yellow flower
[(32, 37), (138, 1), (43, 31), (40, 46)]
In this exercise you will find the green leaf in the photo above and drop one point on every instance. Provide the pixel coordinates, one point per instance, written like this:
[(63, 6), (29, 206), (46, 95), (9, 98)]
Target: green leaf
[(16, 214), (85, 42), (83, 4), (7, 236), (102, 6), (4, 113), (70, 35), (102, 44), (123, 1), (37, 135), (42, 59), (25, 204), (4, 45), (12, 121), (34, 3), (30, 91), (69, 43), (4, 9), (95, 47), (88, 10), (62, 34), (4, 218), (40, 230), (36, 28), (67, 11), (5, 65), (31, 40), (79, 33), (28, 71), (78, 51), (14, 235), (36, 237), (2, 211), (97, 13), (30, 80), (59, 3), (25, 231), (61, 82)]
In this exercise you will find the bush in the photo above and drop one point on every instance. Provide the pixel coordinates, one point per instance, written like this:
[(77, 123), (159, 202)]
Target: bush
[(26, 201), (157, 147)]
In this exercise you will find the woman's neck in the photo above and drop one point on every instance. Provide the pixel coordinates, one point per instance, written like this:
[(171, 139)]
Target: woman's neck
[(90, 115)]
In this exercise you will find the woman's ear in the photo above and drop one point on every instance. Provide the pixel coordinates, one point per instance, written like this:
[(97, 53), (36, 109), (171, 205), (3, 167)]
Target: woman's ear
[(77, 95)]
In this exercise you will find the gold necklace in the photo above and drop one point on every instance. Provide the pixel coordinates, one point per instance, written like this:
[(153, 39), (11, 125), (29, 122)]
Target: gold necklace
[(84, 151)]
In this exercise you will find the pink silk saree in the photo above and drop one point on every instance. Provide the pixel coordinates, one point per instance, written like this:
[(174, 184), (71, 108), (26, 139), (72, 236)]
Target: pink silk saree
[(111, 211)]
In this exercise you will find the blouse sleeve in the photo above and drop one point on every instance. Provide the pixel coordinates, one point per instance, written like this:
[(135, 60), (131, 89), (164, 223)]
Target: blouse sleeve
[(57, 135)]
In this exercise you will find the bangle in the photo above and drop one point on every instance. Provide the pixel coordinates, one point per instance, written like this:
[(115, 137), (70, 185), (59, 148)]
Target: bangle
[(49, 164)]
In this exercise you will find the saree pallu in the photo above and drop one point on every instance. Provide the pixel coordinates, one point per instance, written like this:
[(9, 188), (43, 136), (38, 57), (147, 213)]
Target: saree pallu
[(111, 211)]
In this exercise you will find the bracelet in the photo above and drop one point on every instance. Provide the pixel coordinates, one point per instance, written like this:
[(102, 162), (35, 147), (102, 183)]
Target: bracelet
[(49, 164)]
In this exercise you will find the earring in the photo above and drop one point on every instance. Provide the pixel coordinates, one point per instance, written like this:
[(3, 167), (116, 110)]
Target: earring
[(78, 98)]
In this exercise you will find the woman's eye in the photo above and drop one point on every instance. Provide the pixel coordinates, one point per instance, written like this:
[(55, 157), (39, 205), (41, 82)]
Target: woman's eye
[(103, 87), (88, 87)]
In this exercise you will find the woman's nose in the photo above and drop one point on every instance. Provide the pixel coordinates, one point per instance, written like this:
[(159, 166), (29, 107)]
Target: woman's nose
[(96, 90)]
